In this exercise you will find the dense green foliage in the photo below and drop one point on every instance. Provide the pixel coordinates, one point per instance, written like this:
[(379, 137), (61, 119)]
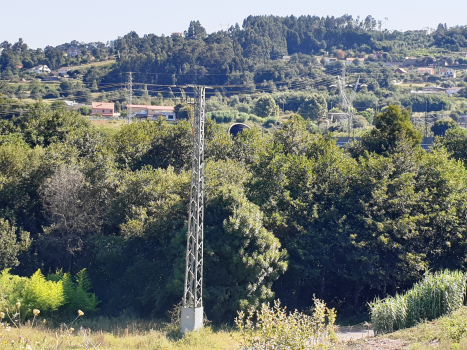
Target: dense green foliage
[(391, 126), (56, 292), (436, 295), (288, 213)]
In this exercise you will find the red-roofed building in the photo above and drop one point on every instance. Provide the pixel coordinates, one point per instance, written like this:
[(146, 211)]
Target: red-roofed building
[(429, 71), (105, 109), (152, 112)]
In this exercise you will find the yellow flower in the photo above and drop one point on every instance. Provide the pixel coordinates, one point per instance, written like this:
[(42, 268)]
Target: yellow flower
[(72, 330), (80, 313), (36, 312), (2, 315), (18, 304), (44, 321)]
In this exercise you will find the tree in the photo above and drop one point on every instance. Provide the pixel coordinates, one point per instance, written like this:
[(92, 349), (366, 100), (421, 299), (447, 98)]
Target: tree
[(12, 242), (43, 125), (455, 142), (440, 127), (314, 107), (195, 31), (393, 125), (265, 106), (72, 209)]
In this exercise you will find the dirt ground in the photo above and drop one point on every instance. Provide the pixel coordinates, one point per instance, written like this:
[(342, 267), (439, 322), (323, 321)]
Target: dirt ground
[(360, 338), (373, 344)]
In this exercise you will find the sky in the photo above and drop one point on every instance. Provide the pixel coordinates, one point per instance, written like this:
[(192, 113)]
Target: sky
[(54, 22)]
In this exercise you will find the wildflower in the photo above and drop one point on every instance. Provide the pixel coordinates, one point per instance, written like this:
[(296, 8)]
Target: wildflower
[(72, 330), (44, 321), (36, 312), (18, 304), (2, 315), (80, 313)]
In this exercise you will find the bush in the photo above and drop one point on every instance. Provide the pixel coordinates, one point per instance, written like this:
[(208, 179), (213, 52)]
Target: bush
[(275, 329), (229, 116), (57, 292), (438, 294)]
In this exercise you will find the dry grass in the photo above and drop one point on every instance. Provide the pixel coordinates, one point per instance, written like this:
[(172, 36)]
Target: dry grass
[(448, 332), (40, 338), (109, 127), (87, 65)]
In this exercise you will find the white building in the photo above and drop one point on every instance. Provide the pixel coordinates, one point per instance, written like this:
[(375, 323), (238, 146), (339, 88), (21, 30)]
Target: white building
[(42, 69), (152, 112), (450, 73)]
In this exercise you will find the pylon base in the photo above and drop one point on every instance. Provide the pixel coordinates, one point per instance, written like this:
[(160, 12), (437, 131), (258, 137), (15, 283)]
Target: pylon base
[(192, 319)]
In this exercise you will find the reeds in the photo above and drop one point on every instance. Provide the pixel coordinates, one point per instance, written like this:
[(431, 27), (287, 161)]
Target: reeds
[(437, 294)]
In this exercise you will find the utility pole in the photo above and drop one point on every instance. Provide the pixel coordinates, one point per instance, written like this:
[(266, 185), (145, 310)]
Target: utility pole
[(426, 119), (130, 94), (346, 101), (192, 310)]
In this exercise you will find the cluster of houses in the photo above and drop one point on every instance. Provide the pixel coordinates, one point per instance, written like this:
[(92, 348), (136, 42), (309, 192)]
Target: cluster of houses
[(446, 72), (427, 90), (141, 112)]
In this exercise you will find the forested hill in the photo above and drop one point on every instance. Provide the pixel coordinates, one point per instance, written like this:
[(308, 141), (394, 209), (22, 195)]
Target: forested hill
[(251, 53)]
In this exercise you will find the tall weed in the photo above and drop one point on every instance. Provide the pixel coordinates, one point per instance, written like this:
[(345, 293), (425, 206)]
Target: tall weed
[(436, 295), (274, 328)]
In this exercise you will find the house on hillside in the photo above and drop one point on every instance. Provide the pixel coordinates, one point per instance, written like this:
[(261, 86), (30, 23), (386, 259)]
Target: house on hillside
[(353, 59), (63, 72), (400, 71), (426, 70), (41, 69), (337, 117), (441, 63), (73, 51), (410, 61), (453, 91), (448, 73), (429, 90), (433, 89), (106, 109), (152, 112), (330, 59)]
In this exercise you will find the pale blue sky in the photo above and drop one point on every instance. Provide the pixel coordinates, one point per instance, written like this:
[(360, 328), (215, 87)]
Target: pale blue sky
[(53, 22)]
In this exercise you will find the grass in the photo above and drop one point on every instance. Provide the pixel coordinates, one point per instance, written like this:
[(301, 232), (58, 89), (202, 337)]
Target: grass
[(132, 336), (109, 127), (448, 332), (87, 65)]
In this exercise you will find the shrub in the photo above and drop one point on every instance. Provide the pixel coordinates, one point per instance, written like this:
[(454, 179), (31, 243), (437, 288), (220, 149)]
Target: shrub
[(57, 292), (275, 329), (436, 295), (229, 116), (38, 293)]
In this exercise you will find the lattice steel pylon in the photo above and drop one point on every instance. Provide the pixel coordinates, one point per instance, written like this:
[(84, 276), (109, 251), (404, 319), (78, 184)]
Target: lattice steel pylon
[(192, 310), (346, 101)]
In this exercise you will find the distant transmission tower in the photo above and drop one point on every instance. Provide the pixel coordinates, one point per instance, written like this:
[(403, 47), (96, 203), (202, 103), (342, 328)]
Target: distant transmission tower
[(192, 310), (130, 94), (347, 101)]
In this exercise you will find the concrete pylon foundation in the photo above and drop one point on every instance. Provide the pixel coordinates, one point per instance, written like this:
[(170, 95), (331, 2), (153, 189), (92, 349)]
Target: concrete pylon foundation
[(192, 319)]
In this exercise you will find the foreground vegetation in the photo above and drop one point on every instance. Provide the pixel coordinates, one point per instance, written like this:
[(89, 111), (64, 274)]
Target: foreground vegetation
[(448, 332), (289, 214), (42, 338), (436, 295)]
